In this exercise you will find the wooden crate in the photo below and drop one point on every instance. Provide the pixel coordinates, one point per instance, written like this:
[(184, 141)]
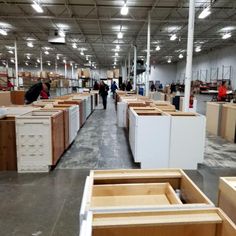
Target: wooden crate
[(227, 196), (40, 140), (190, 195), (8, 159), (207, 222)]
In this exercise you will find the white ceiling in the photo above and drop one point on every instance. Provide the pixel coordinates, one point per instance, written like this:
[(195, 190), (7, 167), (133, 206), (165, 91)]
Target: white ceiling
[(94, 24)]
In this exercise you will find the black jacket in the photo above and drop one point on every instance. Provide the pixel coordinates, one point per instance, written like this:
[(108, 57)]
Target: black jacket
[(33, 93), (104, 90)]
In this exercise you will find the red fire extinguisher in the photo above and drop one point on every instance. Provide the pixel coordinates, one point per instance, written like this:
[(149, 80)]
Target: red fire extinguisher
[(191, 100)]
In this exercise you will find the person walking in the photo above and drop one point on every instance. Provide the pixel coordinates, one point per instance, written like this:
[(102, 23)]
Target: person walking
[(103, 91), (129, 86), (114, 88)]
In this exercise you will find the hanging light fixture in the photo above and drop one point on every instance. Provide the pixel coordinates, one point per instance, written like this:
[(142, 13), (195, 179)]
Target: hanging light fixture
[(158, 48), (226, 35), (198, 49), (205, 13), (3, 32), (124, 10), (120, 35), (74, 45), (30, 44), (169, 60), (173, 37), (37, 7), (181, 56), (46, 52)]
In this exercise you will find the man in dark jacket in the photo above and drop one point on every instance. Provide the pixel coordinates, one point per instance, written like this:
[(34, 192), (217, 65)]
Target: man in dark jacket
[(34, 91), (103, 91)]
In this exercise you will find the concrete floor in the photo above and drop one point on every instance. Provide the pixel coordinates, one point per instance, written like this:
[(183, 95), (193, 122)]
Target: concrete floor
[(48, 204)]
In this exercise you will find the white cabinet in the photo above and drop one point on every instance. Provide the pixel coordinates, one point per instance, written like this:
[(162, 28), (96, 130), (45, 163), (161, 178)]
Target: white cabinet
[(122, 114), (187, 141), (149, 139)]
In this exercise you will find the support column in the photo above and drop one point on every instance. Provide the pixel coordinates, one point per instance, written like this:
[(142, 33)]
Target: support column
[(135, 67), (125, 71), (148, 52), (56, 66), (65, 69), (72, 71), (189, 63), (16, 66), (41, 61), (129, 66)]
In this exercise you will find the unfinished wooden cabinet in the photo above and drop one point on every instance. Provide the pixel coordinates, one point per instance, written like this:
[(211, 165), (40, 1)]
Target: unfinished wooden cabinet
[(5, 98), (18, 97), (111, 190), (8, 160), (194, 222), (40, 140), (227, 196), (228, 122)]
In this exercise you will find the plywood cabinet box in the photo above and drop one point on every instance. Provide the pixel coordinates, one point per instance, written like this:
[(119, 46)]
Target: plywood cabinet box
[(227, 196), (87, 103), (195, 222), (8, 160), (228, 122), (133, 190), (149, 134), (5, 98), (40, 140), (213, 117), (18, 97)]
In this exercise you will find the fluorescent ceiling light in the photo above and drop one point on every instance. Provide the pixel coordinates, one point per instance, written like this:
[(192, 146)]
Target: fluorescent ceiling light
[(114, 62), (3, 32), (76, 66), (64, 61), (12, 60), (90, 62), (49, 63), (205, 13), (120, 35), (169, 61), (173, 37), (37, 7), (226, 35), (71, 64), (158, 48), (58, 58), (116, 54), (198, 49), (114, 67), (117, 47), (124, 10), (26, 63), (30, 44), (61, 33), (74, 45), (46, 52), (28, 57), (38, 60), (11, 52), (82, 53), (181, 56)]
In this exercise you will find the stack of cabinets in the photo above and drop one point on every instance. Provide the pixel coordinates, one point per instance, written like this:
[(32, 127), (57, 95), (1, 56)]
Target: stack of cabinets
[(40, 140)]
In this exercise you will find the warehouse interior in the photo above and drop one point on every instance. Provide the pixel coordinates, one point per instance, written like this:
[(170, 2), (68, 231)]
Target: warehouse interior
[(70, 166)]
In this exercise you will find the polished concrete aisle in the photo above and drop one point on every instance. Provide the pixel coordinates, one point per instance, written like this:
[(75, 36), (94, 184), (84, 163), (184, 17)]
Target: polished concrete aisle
[(100, 144), (49, 204)]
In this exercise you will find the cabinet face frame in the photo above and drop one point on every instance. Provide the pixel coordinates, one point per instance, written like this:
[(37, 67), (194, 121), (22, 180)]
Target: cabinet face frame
[(206, 222)]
